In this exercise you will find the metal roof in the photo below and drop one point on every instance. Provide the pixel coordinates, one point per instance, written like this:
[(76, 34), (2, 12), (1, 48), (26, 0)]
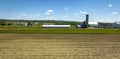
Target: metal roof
[(92, 23), (117, 22), (56, 26)]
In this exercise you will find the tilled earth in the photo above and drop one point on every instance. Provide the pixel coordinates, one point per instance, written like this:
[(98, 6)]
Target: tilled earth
[(59, 46)]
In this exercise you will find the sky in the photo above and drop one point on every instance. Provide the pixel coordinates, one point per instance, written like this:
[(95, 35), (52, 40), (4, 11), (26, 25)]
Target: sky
[(67, 10)]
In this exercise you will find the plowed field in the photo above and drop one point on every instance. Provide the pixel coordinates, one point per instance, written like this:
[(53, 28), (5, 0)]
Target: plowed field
[(59, 46)]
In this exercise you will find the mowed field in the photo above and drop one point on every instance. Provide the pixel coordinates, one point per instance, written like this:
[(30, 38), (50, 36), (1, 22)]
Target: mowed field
[(59, 46)]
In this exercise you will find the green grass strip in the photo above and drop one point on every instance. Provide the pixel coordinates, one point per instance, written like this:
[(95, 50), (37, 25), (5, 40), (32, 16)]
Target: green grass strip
[(60, 31)]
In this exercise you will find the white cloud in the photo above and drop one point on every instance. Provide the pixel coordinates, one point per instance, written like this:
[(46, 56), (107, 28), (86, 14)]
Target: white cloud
[(114, 13), (48, 12), (83, 12), (110, 5), (66, 8)]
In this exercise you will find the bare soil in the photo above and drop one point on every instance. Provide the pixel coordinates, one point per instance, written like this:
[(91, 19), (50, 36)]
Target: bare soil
[(59, 46)]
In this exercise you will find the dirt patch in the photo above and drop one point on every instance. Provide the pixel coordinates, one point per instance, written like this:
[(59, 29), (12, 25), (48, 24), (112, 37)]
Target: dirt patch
[(59, 46)]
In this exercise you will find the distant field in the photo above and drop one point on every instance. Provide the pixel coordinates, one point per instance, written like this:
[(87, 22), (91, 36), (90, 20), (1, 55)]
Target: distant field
[(59, 46), (39, 30)]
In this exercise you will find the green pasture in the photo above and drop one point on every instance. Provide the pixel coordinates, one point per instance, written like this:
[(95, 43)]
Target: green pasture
[(39, 30)]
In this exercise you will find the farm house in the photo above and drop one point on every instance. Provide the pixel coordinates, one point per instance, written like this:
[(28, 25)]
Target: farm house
[(116, 24)]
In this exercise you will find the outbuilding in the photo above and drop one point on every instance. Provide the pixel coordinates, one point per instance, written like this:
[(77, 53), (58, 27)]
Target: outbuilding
[(116, 24), (105, 24)]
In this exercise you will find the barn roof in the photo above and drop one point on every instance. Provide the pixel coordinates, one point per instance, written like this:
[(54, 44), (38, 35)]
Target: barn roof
[(93, 23), (117, 22)]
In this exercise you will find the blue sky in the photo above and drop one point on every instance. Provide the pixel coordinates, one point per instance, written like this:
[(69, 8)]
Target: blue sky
[(68, 10)]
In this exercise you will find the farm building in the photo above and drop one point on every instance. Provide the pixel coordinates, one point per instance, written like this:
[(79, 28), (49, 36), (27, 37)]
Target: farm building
[(24, 24), (56, 26), (78, 26), (84, 24), (116, 24), (105, 25), (93, 24)]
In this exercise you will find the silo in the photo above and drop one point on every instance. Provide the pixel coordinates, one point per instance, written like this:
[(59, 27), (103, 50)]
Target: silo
[(87, 20)]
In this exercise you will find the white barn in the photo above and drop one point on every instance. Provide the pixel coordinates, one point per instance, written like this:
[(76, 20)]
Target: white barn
[(93, 24), (56, 26), (116, 24)]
